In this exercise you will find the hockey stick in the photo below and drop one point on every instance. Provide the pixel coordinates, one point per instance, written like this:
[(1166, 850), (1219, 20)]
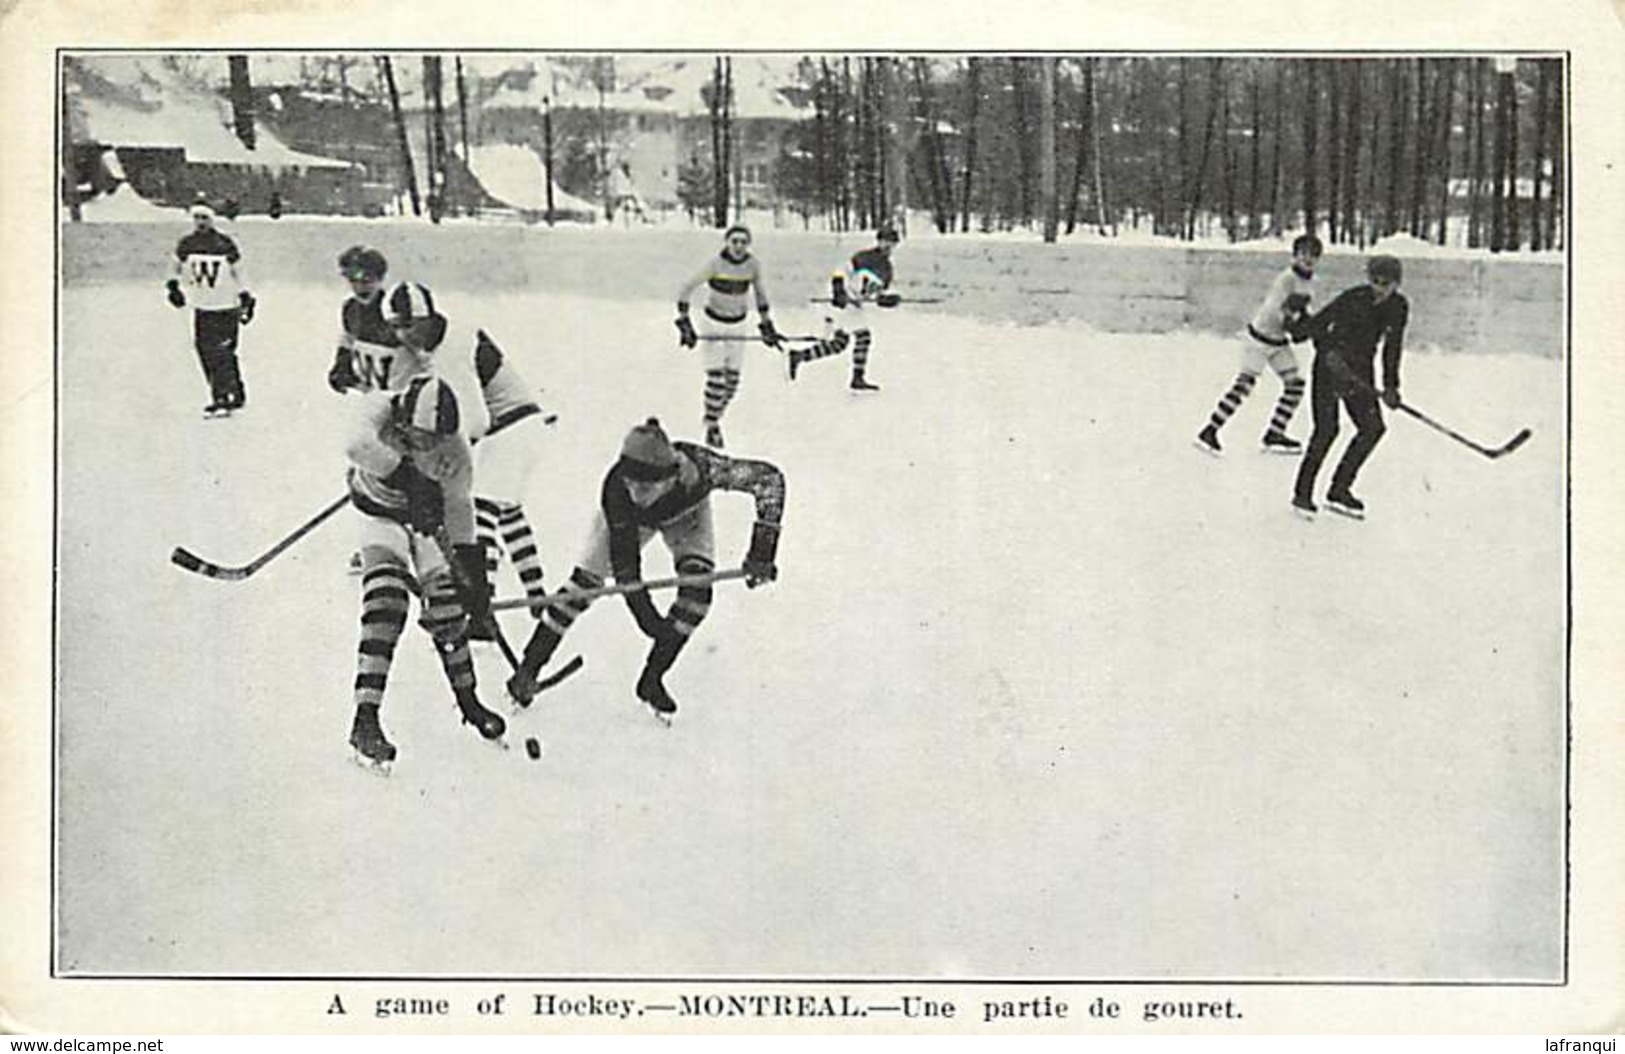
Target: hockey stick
[(189, 560), (859, 303), (567, 594), (442, 541), (1505, 448), (1501, 451), (741, 337)]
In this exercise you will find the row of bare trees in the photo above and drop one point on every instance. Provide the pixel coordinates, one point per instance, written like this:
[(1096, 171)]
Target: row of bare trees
[(1353, 148)]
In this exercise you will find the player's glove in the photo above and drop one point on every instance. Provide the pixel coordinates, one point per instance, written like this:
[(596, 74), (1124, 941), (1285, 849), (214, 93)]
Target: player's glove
[(685, 331), (425, 505), (771, 335), (888, 299), (176, 297), (476, 586), (245, 307), (837, 291), (648, 619), (1391, 399), (342, 377), (764, 545)]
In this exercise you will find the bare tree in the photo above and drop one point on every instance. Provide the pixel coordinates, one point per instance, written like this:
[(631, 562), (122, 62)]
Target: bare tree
[(1046, 146), (973, 71), (407, 170)]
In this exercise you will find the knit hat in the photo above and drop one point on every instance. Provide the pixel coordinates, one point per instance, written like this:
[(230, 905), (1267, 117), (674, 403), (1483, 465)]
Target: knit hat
[(200, 210), (429, 405), (647, 454), (1384, 267), (886, 233)]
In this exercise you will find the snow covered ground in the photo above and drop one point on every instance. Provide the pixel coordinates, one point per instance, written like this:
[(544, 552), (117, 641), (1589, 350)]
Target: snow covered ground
[(1042, 691)]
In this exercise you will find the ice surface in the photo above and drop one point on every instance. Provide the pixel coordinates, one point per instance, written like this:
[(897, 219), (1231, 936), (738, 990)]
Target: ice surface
[(1042, 691)]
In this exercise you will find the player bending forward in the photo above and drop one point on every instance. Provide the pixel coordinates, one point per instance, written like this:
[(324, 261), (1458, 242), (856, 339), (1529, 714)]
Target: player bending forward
[(207, 261), (410, 468), (729, 277), (502, 466), (658, 486), (1274, 328), (867, 280)]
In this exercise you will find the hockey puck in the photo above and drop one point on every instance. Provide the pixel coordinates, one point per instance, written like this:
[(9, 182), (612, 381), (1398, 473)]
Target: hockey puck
[(533, 747)]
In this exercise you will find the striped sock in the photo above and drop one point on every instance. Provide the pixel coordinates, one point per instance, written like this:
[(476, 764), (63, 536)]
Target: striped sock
[(1233, 399), (556, 620), (860, 351), (520, 542), (384, 605), (693, 603), (716, 395), (487, 515), (443, 617), (1291, 396), (825, 348)]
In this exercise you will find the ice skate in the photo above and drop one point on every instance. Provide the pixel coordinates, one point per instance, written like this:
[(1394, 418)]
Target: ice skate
[(652, 691), (1304, 507), (793, 360), (860, 383), (487, 723), (1279, 443), (522, 688), (218, 408), (1342, 502), (372, 750), (713, 436), (1207, 441)]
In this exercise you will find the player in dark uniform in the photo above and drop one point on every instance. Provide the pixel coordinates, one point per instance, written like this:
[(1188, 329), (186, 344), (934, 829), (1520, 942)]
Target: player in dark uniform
[(658, 486), (855, 292), (367, 347), (1346, 335), (206, 261)]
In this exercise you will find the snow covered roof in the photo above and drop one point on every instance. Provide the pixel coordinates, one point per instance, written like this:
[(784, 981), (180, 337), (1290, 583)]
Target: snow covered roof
[(515, 176), (128, 102), (675, 85)]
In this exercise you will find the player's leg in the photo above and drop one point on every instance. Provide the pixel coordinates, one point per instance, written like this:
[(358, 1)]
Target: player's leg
[(691, 540), (206, 338), (1323, 403), (1369, 429), (1252, 364), (1285, 365), (386, 583), (555, 620), (445, 618), (722, 362)]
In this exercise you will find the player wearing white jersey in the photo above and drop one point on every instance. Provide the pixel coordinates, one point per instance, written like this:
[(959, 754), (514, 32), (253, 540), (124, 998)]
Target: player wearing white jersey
[(1271, 334), (410, 475), (207, 263), (729, 278), (498, 398)]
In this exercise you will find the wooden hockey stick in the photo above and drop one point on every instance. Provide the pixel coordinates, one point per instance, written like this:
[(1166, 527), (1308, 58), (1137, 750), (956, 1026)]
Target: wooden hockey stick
[(185, 558), (568, 594), (741, 337), (1508, 447), (190, 561)]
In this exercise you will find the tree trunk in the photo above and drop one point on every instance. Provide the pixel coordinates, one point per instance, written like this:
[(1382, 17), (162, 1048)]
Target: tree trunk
[(70, 170), (1351, 157), (1442, 150), (1046, 146), (462, 110), (1475, 130), (973, 90), (407, 169), (1311, 130), (1080, 146), (1538, 161), (242, 98), (1498, 197), (1423, 143), (1396, 147), (1557, 198), (900, 140), (1514, 221), (1255, 224), (547, 154), (1227, 163), (1334, 157), (1276, 161), (1199, 172), (1101, 210)]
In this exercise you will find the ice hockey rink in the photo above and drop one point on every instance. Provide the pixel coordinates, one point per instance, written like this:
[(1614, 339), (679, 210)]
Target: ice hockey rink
[(1041, 693)]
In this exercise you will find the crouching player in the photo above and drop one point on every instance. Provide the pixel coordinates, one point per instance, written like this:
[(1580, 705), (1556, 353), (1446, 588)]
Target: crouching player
[(659, 487), (409, 476)]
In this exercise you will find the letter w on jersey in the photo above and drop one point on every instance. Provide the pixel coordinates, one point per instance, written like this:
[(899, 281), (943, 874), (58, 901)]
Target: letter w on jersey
[(206, 270)]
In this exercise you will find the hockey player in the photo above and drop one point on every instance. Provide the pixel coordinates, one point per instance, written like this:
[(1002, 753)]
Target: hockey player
[(729, 277), (502, 399), (1270, 341), (657, 486), (1346, 335), (866, 281), (409, 477), (369, 355), (206, 261)]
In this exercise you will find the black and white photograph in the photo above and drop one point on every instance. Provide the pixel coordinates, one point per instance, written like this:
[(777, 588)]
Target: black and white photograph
[(672, 526)]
